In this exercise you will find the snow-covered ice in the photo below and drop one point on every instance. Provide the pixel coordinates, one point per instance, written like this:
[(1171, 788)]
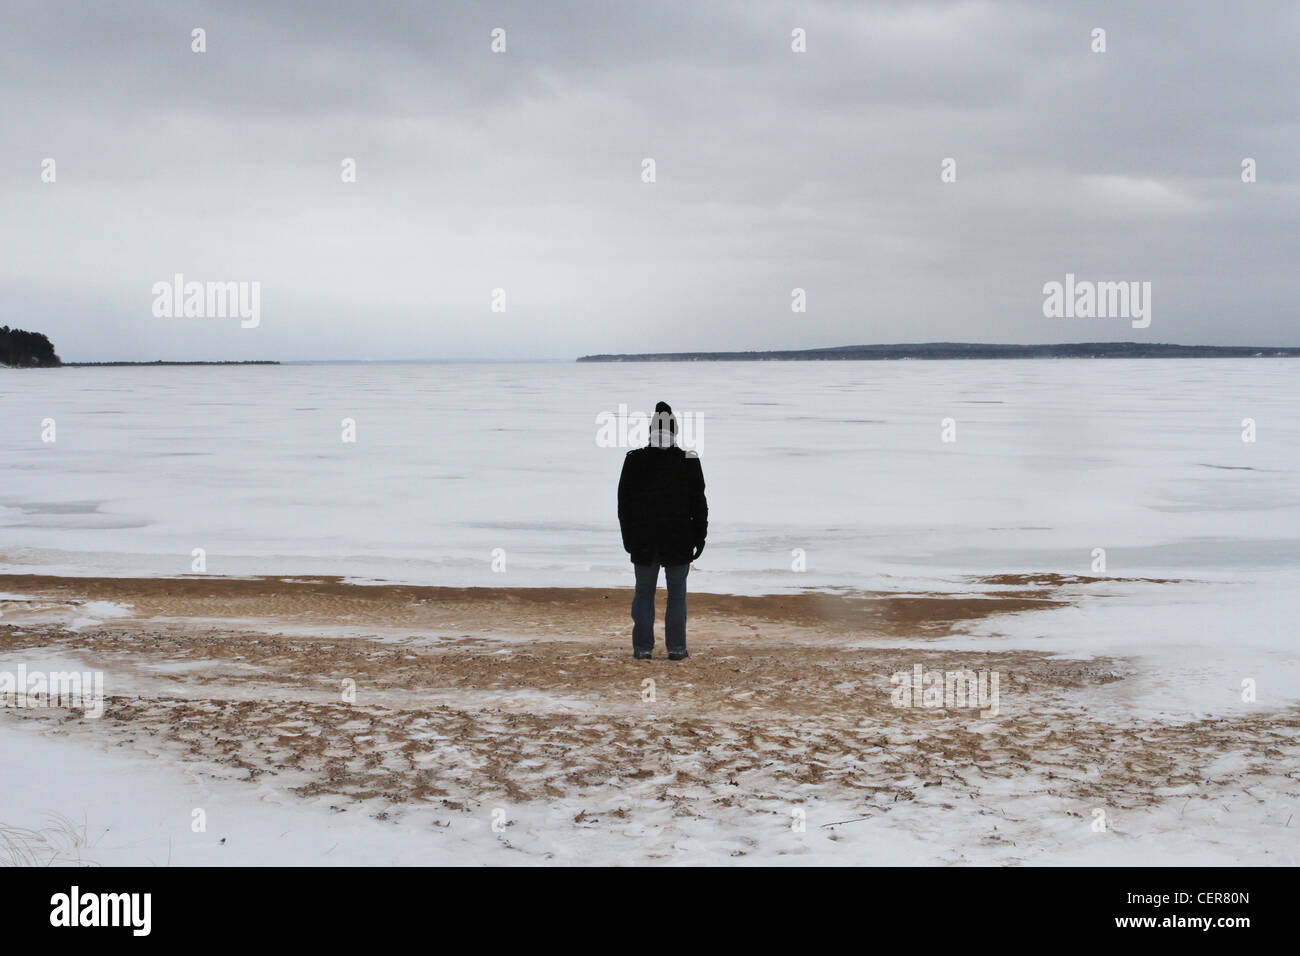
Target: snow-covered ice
[(842, 463)]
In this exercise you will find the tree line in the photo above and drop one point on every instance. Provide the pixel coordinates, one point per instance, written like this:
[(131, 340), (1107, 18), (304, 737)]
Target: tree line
[(22, 349)]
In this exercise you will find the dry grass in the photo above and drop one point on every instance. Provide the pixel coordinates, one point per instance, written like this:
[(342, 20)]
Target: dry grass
[(61, 842)]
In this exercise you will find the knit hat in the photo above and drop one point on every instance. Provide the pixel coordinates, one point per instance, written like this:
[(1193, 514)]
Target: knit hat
[(663, 427)]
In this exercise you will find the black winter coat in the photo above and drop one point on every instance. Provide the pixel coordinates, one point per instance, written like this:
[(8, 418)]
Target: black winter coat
[(662, 511)]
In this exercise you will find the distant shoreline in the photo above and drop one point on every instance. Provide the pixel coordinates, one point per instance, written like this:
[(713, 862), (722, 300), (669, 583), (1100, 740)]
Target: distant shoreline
[(961, 350), (161, 362)]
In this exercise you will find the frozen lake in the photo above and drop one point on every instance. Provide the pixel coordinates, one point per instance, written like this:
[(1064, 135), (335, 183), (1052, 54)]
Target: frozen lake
[(845, 461), (842, 460)]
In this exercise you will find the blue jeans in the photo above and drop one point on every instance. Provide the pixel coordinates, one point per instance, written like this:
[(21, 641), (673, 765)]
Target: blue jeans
[(643, 607)]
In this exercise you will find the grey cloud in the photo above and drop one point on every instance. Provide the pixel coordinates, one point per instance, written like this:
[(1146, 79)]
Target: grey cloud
[(775, 170)]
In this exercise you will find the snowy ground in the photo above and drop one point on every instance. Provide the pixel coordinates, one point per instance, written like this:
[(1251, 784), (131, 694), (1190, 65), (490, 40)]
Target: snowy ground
[(783, 711), (1161, 689)]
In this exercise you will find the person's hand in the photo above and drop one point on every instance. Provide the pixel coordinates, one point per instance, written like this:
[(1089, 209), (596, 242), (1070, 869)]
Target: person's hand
[(699, 550)]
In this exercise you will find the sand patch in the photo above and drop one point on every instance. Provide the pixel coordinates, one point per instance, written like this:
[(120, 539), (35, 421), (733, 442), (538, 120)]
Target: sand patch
[(785, 700)]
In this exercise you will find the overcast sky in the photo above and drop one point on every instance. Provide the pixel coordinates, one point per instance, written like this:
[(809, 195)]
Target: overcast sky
[(522, 171)]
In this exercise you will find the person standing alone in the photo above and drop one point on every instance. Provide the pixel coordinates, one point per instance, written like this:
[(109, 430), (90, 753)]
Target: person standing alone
[(664, 519)]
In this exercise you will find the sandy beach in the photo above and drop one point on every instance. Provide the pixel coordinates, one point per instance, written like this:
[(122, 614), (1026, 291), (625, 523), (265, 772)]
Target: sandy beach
[(525, 702)]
